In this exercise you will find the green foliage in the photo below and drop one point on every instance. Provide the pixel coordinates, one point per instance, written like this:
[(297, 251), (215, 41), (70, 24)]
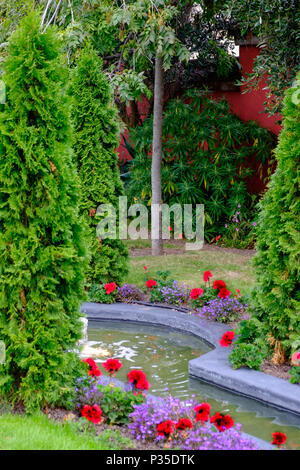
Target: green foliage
[(205, 161), (295, 373), (97, 293), (208, 294), (42, 238), (253, 332), (248, 355), (239, 231), (117, 404), (277, 263), (95, 141)]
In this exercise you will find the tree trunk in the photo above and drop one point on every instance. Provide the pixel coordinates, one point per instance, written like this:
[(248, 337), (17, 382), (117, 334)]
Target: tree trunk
[(156, 217)]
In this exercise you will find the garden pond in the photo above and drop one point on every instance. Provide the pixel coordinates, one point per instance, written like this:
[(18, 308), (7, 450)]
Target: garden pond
[(163, 354)]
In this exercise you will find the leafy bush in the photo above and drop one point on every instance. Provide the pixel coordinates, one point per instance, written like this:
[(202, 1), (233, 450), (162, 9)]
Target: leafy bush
[(239, 230), (97, 293), (295, 373), (116, 403), (248, 355), (42, 238), (276, 294), (207, 155), (95, 140)]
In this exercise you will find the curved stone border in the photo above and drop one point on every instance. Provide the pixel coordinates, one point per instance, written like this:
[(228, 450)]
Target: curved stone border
[(212, 367)]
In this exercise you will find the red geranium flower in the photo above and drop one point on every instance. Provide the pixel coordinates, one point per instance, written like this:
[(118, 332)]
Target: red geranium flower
[(202, 411), (112, 365), (219, 285), (151, 283), (196, 293), (218, 237), (222, 422), (92, 413), (165, 428), (138, 379), (111, 287), (279, 438), (207, 275), (183, 424), (224, 293), (94, 370), (227, 338), (145, 268)]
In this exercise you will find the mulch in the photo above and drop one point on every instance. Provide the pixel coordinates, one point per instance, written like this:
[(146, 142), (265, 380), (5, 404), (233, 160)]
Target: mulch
[(179, 249), (277, 370)]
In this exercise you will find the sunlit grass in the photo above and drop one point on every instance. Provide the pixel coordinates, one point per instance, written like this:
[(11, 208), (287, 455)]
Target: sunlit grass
[(40, 433), (234, 268)]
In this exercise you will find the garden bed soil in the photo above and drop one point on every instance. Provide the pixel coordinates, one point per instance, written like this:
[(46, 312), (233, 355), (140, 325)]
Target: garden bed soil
[(277, 370), (179, 248)]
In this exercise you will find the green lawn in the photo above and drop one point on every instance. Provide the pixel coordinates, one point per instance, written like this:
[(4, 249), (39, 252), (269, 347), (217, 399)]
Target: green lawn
[(234, 267), (40, 433)]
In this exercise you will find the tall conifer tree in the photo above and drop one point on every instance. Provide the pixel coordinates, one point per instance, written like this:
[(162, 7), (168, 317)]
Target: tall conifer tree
[(43, 254), (277, 262), (95, 142)]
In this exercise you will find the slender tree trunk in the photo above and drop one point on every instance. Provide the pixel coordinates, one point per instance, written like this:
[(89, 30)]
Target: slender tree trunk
[(156, 218)]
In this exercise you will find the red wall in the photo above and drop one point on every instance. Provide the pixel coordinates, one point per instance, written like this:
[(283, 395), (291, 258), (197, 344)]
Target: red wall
[(249, 106)]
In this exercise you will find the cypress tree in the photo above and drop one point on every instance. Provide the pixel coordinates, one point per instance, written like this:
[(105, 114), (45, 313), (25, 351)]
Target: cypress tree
[(95, 142), (43, 254), (277, 293)]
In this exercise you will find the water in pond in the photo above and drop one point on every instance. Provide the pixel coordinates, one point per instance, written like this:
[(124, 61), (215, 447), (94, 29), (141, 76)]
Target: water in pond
[(163, 354)]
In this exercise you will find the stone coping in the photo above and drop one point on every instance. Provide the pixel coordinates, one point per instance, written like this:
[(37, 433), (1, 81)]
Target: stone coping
[(212, 367)]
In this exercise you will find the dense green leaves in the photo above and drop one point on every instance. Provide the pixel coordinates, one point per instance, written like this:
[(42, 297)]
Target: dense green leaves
[(278, 241), (95, 141), (42, 238), (207, 154)]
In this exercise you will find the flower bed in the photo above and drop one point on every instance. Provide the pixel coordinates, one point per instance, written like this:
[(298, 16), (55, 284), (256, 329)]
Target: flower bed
[(157, 422), (213, 302)]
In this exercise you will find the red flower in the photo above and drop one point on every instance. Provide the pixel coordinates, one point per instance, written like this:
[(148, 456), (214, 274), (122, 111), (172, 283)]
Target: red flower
[(151, 283), (111, 287), (279, 438), (145, 268), (94, 370), (112, 365), (207, 275), (219, 285), (227, 338), (183, 424), (165, 428), (224, 293), (218, 238), (202, 411), (196, 293), (222, 422), (138, 379), (92, 413), (238, 291)]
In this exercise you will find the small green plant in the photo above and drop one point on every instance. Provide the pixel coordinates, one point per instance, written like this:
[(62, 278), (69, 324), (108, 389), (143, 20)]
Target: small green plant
[(248, 355), (239, 230), (97, 293), (117, 404), (295, 373)]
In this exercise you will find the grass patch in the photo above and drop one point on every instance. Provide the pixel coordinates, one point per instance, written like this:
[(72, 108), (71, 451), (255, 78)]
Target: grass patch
[(40, 433), (235, 269)]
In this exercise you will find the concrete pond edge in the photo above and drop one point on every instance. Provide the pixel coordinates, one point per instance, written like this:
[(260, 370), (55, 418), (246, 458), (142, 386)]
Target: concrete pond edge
[(212, 367)]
